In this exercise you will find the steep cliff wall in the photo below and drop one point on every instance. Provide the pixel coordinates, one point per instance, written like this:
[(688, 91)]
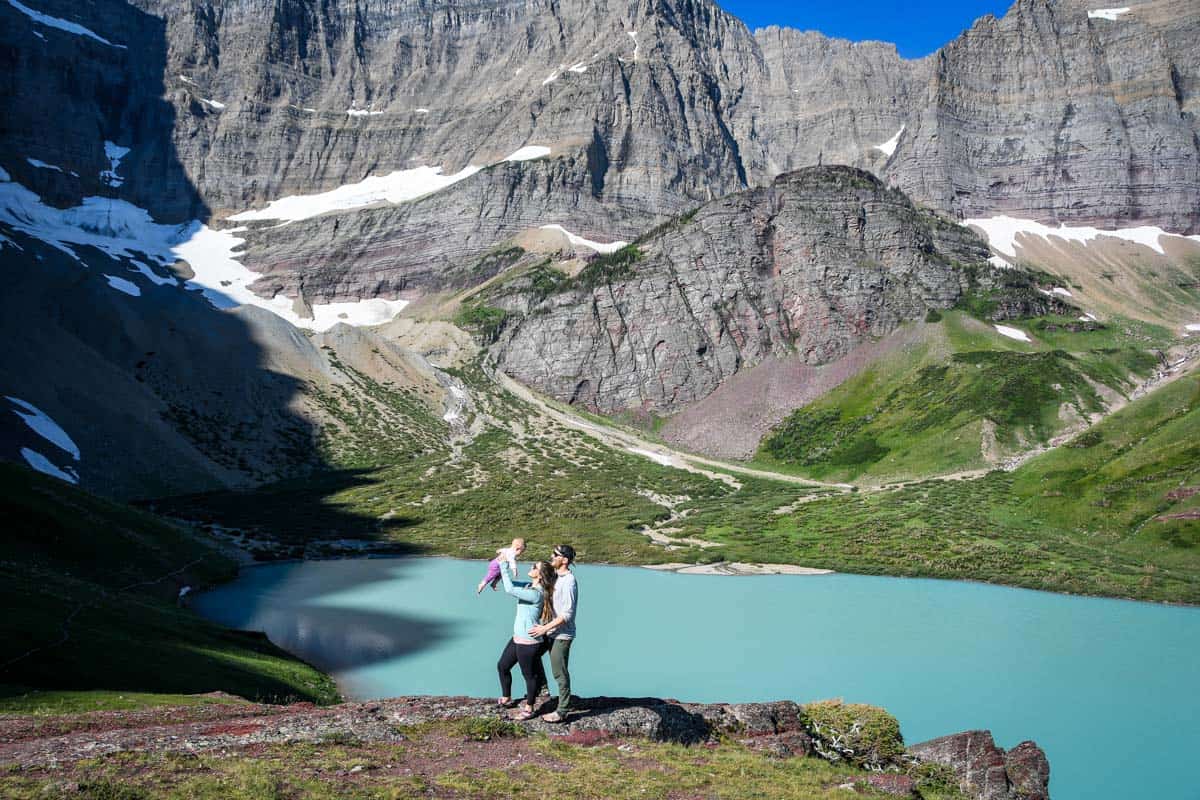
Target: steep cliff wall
[(655, 106), (814, 264)]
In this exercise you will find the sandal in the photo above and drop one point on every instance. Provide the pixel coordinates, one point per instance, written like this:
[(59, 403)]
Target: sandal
[(554, 717), (521, 716), (505, 702)]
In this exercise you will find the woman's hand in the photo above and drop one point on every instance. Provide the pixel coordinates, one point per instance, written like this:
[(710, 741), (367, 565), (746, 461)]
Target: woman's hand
[(539, 630)]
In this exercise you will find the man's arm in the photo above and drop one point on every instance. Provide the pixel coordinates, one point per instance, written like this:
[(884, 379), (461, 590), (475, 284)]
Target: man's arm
[(565, 615)]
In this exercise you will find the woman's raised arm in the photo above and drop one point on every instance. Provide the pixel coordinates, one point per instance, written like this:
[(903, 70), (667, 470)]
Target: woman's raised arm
[(521, 591)]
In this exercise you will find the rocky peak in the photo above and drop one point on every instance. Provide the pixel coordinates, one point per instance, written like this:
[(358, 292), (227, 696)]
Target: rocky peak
[(813, 264)]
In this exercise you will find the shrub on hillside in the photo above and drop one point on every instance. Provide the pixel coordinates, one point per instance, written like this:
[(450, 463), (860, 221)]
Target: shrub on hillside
[(862, 735)]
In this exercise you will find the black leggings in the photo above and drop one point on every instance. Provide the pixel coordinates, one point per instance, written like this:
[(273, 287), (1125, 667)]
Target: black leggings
[(529, 656)]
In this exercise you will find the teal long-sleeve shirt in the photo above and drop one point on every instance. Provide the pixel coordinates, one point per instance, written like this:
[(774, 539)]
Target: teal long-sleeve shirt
[(529, 606)]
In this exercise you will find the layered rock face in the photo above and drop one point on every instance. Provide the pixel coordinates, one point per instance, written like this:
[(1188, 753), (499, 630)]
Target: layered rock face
[(1053, 114), (986, 771), (653, 106), (814, 264)]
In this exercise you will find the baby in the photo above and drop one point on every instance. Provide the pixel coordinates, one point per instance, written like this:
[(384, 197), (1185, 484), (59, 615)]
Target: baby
[(505, 557)]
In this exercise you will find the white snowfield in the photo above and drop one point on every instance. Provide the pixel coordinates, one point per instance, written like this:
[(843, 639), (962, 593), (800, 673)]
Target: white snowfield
[(44, 465), (1110, 14), (126, 232), (61, 24), (1002, 233), (397, 187), (1193, 328), (889, 147), (998, 262), (528, 153), (1012, 333), (599, 247), (362, 112), (114, 153), (41, 424), (121, 285), (212, 103), (33, 162)]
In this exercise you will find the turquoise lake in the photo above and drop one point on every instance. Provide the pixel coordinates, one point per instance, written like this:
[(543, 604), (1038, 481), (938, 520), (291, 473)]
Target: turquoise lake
[(1108, 688)]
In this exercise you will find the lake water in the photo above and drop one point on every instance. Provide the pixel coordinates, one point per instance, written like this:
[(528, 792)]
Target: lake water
[(1108, 688)]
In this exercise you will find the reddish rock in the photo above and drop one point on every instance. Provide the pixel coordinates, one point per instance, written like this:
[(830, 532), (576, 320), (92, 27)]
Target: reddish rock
[(1028, 772), (893, 783), (985, 771)]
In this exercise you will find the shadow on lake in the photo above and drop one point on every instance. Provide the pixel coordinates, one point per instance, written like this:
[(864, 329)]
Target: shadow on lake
[(298, 607)]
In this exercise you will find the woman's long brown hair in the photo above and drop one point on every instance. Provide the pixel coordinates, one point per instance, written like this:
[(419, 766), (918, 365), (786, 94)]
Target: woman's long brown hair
[(547, 577)]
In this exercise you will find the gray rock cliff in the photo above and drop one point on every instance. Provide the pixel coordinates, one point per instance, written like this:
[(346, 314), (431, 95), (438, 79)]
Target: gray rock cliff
[(816, 263), (653, 106)]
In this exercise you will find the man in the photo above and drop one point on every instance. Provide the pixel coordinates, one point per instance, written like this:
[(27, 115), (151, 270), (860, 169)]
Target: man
[(561, 630)]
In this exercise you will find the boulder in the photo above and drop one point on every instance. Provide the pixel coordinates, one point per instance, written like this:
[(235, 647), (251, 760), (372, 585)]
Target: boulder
[(985, 771)]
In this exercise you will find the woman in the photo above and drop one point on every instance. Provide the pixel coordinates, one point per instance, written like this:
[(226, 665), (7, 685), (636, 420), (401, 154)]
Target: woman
[(533, 608)]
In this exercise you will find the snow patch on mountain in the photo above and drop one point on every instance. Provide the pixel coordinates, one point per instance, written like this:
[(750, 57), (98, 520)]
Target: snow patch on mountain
[(44, 465), (1110, 14), (1013, 333), (41, 424), (36, 162), (1002, 232), (121, 285), (114, 153), (528, 153), (889, 147), (599, 247), (61, 24), (125, 232), (395, 187)]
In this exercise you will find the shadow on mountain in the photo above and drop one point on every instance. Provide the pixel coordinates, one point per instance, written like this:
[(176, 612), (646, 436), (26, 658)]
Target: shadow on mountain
[(293, 514), (161, 393)]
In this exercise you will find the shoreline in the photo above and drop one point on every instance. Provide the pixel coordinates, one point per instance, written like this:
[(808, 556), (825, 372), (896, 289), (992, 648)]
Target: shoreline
[(737, 568)]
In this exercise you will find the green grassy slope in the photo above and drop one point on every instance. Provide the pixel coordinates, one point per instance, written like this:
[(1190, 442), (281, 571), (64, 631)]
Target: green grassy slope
[(936, 408), (1132, 481), (89, 586), (526, 475), (1113, 512)]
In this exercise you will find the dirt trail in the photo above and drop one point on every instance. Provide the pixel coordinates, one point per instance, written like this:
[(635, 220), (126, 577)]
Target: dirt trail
[(1180, 364), (631, 443)]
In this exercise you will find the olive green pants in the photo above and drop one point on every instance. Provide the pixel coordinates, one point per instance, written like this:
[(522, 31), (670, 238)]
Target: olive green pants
[(560, 660)]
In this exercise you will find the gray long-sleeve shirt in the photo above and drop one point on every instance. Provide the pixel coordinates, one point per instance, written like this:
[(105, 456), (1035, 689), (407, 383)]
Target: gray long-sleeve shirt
[(565, 600)]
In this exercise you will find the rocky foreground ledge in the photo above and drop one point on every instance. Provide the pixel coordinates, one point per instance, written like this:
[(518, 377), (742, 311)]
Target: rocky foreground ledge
[(857, 736)]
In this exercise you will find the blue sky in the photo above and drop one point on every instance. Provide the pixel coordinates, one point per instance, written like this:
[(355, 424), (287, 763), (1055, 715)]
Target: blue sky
[(917, 28)]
